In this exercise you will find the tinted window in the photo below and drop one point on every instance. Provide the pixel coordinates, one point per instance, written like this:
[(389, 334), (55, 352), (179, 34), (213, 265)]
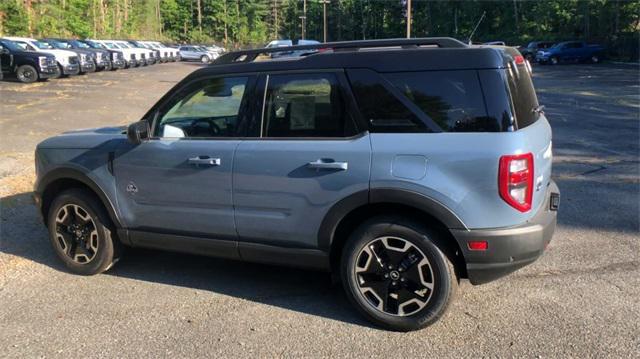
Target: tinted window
[(523, 95), (207, 109), (452, 99), (306, 105), (382, 109)]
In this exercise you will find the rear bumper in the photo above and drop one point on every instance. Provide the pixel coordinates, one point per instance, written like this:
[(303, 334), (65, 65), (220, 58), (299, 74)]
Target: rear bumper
[(509, 249)]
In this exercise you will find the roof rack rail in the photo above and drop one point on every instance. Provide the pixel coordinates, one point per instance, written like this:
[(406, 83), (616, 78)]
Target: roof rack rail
[(250, 55)]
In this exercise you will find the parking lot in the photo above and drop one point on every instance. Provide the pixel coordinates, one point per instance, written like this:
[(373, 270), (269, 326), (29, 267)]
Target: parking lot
[(580, 299)]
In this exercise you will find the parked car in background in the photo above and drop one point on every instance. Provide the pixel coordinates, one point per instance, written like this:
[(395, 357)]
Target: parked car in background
[(529, 52), (153, 56), (131, 57), (68, 61), (192, 52), (146, 55), (168, 53), (27, 66), (87, 60), (571, 51), (290, 53), (101, 57), (213, 54), (116, 56), (495, 43)]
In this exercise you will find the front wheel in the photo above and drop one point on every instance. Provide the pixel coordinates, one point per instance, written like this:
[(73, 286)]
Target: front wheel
[(204, 59), (395, 274), (554, 60), (81, 233), (27, 74), (595, 59)]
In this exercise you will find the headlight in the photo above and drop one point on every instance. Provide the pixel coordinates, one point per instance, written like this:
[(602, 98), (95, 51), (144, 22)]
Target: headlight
[(42, 60), (114, 56)]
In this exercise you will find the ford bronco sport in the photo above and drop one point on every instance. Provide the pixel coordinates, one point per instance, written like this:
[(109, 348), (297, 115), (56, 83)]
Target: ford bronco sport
[(402, 166)]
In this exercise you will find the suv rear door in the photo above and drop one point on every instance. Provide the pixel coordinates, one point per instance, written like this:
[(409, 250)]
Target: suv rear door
[(308, 154)]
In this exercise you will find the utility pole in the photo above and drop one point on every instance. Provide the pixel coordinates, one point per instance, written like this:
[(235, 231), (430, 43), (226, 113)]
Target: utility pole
[(324, 16), (303, 18), (408, 19)]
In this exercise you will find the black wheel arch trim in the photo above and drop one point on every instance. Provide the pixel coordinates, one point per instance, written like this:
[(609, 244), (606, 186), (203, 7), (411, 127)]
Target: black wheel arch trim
[(384, 195), (77, 175)]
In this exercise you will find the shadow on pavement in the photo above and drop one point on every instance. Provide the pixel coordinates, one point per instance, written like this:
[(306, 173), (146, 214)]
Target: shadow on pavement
[(23, 235)]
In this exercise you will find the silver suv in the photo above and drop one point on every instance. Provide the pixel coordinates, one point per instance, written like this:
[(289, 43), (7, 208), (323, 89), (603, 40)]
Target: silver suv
[(401, 166)]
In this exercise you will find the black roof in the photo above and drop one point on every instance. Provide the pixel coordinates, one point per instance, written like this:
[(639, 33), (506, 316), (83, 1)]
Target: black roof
[(379, 55)]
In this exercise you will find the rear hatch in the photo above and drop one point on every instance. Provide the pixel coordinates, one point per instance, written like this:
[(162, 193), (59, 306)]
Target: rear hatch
[(529, 118)]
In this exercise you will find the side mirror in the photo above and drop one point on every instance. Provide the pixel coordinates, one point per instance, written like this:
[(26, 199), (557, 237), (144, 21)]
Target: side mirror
[(138, 132)]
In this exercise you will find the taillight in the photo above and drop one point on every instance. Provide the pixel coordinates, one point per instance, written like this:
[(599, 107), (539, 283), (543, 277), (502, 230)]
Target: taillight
[(515, 180), (519, 59)]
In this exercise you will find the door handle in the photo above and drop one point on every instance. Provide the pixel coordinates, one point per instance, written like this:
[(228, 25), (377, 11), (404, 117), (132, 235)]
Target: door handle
[(204, 161), (328, 164)]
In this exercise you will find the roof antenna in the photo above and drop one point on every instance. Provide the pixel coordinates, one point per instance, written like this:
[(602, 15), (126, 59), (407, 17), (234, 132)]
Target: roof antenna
[(484, 13)]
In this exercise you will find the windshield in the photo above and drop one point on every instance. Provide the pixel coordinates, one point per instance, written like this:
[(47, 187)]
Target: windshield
[(110, 45), (61, 44), (125, 45), (81, 45), (557, 45), (13, 46), (42, 45)]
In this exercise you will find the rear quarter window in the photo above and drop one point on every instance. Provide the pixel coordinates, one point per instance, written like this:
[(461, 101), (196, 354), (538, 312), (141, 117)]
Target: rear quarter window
[(452, 99)]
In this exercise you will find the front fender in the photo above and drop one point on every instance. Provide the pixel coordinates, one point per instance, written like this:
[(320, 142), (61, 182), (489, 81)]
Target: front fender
[(79, 174)]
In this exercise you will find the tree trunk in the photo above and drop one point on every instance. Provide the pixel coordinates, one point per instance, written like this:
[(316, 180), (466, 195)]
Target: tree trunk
[(199, 15), (226, 19)]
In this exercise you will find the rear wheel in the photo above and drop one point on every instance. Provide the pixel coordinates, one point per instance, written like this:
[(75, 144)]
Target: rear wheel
[(81, 233), (395, 275), (27, 74), (204, 59)]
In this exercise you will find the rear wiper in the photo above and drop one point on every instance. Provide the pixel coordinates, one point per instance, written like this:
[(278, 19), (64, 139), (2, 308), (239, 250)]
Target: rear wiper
[(538, 109)]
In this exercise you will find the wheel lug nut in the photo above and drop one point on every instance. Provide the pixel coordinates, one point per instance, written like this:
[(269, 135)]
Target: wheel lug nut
[(386, 275), (402, 279), (394, 283)]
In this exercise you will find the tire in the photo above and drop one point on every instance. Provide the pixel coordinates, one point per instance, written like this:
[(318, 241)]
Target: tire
[(27, 74), (204, 59), (417, 265), (529, 57), (76, 211), (554, 60)]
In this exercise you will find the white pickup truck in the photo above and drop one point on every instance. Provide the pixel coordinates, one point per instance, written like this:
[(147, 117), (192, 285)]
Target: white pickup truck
[(167, 53), (68, 61), (132, 57)]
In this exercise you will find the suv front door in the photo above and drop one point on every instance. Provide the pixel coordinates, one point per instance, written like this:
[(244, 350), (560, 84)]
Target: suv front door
[(179, 181), (310, 154)]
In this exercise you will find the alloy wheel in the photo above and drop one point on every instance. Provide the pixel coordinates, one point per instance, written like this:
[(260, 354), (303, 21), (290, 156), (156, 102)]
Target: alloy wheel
[(394, 276), (27, 75), (76, 233)]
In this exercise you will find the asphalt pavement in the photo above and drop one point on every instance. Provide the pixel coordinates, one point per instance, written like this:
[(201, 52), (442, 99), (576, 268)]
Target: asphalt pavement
[(581, 299)]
